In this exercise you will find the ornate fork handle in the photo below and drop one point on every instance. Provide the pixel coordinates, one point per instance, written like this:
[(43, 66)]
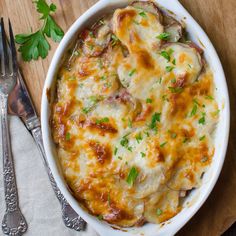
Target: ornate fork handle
[(13, 221), (70, 217)]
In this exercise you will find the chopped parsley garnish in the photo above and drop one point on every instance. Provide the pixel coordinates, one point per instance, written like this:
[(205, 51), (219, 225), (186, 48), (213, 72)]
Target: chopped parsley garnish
[(91, 46), (174, 62), (76, 53), (185, 140), (81, 85), (115, 40), (176, 89), (86, 110), (67, 136), (194, 110), (202, 138), (173, 81), (131, 73), (142, 154), (124, 142), (209, 97), (136, 22), (164, 98), (107, 85), (100, 64), (103, 77), (103, 120), (189, 66), (133, 174), (147, 133), (160, 80), (166, 55), (172, 134), (91, 34), (164, 36), (202, 120), (148, 100), (100, 217), (143, 14), (169, 68), (139, 137), (163, 144), (204, 159), (115, 151), (159, 211), (156, 117), (120, 158), (216, 113), (130, 123), (72, 78)]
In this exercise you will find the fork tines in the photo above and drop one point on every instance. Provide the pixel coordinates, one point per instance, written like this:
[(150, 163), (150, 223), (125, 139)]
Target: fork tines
[(4, 55)]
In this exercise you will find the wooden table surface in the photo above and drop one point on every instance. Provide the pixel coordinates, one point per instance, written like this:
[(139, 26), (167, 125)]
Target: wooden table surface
[(218, 19)]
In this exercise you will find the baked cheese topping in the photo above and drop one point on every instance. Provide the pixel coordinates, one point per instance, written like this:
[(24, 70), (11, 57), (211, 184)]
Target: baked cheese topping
[(134, 116)]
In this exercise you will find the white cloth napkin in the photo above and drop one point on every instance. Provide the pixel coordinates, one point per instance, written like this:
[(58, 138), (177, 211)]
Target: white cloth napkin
[(37, 200)]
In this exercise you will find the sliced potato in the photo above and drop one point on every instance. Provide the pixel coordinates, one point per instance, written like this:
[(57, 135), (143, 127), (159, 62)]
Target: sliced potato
[(149, 7)]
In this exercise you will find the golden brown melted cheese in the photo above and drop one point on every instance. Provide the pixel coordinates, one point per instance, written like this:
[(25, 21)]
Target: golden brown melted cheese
[(133, 119)]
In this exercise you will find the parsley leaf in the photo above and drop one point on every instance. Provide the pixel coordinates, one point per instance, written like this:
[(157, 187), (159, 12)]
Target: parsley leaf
[(133, 174), (166, 55), (169, 68), (143, 14), (35, 45), (164, 36), (52, 30), (132, 72), (156, 117), (176, 89), (32, 45), (194, 110)]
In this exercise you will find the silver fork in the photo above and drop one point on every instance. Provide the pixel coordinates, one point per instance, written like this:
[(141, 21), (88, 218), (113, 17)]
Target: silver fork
[(14, 223)]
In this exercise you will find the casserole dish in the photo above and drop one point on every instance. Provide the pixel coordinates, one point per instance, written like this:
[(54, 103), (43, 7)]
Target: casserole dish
[(198, 196)]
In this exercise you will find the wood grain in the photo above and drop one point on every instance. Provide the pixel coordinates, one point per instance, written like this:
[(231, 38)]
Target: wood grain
[(218, 19)]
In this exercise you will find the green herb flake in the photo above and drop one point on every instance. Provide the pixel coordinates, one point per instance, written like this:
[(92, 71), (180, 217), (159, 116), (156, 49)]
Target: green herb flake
[(72, 78), (120, 158), (136, 22), (142, 154), (133, 174), (216, 113), (103, 77), (204, 159), (202, 120), (156, 117), (164, 36), (169, 68), (131, 73), (185, 140), (174, 62), (166, 55), (138, 137), (209, 97), (91, 34), (159, 211), (173, 81), (103, 120), (148, 100), (172, 134), (143, 14), (160, 80), (115, 150), (129, 149), (76, 53), (194, 110), (202, 138), (115, 40), (130, 123), (67, 136), (176, 89), (163, 144), (189, 66), (100, 217), (124, 142), (147, 133), (86, 110), (170, 51), (100, 64)]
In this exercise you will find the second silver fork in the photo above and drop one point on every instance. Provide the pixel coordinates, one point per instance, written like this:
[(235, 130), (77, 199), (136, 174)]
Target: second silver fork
[(14, 223)]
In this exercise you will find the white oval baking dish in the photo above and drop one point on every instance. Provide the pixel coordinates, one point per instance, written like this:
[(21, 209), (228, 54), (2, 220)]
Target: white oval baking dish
[(197, 197)]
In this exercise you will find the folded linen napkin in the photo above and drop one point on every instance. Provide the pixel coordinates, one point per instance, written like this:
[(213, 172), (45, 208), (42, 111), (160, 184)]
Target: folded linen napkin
[(37, 200)]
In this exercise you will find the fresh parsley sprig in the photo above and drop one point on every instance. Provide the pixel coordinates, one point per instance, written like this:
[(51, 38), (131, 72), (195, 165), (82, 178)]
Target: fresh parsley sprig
[(35, 45)]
